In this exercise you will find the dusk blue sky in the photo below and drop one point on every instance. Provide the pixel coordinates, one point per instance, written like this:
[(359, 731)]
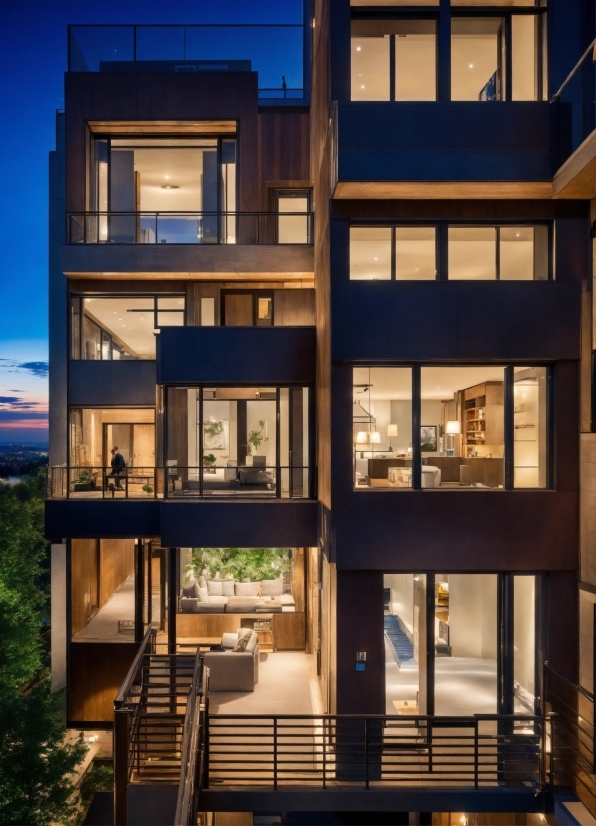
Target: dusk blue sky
[(33, 55)]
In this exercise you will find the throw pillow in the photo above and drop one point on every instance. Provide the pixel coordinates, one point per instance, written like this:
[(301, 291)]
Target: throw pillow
[(189, 590), (215, 587), (247, 589), (203, 595), (227, 588), (202, 582), (242, 642), (272, 587)]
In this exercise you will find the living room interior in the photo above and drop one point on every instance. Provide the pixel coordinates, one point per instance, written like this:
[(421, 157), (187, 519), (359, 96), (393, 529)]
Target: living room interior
[(238, 441), (462, 427)]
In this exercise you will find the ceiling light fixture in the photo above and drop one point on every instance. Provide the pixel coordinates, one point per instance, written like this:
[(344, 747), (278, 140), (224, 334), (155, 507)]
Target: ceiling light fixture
[(471, 65), (358, 48), (169, 186)]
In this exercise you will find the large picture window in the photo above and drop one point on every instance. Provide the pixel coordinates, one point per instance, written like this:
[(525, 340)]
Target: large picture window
[(238, 441), (477, 427), (159, 190), (472, 252), (116, 327), (494, 56)]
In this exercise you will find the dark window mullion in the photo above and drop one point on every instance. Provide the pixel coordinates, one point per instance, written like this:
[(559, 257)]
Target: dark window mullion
[(498, 253), (507, 93), (442, 251), (201, 436), (393, 254), (508, 428), (416, 418), (392, 67)]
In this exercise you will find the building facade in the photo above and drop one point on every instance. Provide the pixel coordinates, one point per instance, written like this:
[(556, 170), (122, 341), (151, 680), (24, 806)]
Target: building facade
[(305, 319)]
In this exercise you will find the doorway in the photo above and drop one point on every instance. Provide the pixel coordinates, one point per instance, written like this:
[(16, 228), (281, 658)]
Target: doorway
[(136, 443), (247, 308)]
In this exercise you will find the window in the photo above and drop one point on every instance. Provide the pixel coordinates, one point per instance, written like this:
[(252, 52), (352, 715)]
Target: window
[(394, 60), (381, 425), (107, 328), (294, 221), (459, 675), (494, 56), (160, 190), (248, 441), (474, 253), (482, 427), (398, 253)]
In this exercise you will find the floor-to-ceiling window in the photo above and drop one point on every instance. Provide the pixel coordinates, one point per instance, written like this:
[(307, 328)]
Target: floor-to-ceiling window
[(444, 653), (457, 433), (238, 441)]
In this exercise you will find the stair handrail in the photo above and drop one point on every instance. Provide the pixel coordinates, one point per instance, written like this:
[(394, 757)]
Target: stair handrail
[(193, 747), (147, 646)]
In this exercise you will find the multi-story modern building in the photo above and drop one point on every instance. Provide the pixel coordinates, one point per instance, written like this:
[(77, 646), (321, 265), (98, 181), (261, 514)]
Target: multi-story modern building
[(324, 291)]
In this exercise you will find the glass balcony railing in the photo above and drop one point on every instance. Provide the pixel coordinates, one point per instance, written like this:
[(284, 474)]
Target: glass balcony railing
[(577, 109), (275, 51), (189, 228), (97, 482)]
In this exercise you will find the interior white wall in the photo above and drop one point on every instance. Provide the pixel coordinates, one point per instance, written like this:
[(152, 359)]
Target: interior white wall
[(524, 631), (473, 615), (402, 597), (401, 415), (381, 410), (264, 411), (219, 411)]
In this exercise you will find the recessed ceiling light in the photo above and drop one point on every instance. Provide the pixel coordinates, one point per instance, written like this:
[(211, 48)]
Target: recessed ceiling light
[(471, 65), (362, 87), (358, 48), (169, 186)]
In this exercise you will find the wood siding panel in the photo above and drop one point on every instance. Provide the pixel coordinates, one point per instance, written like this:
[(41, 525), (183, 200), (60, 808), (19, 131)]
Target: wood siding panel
[(116, 564), (293, 308), (96, 672), (284, 153), (84, 582)]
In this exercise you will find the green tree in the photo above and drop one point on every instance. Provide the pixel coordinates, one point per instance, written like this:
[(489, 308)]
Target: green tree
[(36, 764)]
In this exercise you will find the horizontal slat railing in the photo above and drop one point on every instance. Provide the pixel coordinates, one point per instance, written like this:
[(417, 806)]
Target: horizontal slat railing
[(247, 228), (328, 751), (275, 481)]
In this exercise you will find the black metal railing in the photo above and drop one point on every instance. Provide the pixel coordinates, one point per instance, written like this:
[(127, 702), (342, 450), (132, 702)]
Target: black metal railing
[(375, 751), (194, 739), (571, 746), (254, 481), (189, 228)]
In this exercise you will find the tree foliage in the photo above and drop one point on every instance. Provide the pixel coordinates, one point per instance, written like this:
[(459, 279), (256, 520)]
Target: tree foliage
[(36, 764)]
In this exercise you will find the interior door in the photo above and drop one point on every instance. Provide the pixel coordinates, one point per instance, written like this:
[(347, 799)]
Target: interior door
[(143, 439), (120, 436), (238, 309)]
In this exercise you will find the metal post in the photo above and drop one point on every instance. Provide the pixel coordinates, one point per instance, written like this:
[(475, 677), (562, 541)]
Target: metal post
[(476, 754), (366, 767), (121, 747), (139, 588), (324, 754), (275, 753)]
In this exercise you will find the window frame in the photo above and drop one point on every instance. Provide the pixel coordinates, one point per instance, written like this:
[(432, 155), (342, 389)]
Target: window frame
[(289, 192), (443, 17), (442, 246), (77, 300), (508, 423)]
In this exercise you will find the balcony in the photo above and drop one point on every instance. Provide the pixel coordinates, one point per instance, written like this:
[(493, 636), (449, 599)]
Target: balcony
[(263, 355), (224, 245), (442, 150)]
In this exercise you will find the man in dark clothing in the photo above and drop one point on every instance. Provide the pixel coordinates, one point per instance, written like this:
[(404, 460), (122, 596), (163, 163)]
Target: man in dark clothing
[(118, 466)]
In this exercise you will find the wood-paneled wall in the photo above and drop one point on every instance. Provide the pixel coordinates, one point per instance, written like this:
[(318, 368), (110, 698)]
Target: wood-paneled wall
[(116, 563), (96, 671), (84, 582), (284, 153)]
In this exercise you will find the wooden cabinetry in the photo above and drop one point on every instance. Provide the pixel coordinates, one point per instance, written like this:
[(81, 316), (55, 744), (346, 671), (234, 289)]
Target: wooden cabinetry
[(287, 629), (483, 423)]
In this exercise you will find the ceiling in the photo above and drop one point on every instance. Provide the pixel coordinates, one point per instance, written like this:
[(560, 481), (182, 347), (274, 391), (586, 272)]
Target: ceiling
[(395, 383), (134, 329)]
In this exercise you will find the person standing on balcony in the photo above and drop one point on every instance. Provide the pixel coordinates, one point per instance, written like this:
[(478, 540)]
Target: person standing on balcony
[(118, 466)]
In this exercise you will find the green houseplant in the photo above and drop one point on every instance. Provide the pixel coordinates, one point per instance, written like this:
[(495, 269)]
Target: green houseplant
[(241, 563), (255, 437)]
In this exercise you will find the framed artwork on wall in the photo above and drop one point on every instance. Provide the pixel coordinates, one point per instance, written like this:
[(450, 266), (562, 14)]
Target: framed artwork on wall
[(428, 438), (214, 435)]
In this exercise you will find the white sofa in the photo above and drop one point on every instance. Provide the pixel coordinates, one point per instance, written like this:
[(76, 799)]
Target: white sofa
[(217, 596)]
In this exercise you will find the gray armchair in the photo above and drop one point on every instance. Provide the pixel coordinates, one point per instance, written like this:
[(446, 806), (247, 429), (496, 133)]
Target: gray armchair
[(233, 670)]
